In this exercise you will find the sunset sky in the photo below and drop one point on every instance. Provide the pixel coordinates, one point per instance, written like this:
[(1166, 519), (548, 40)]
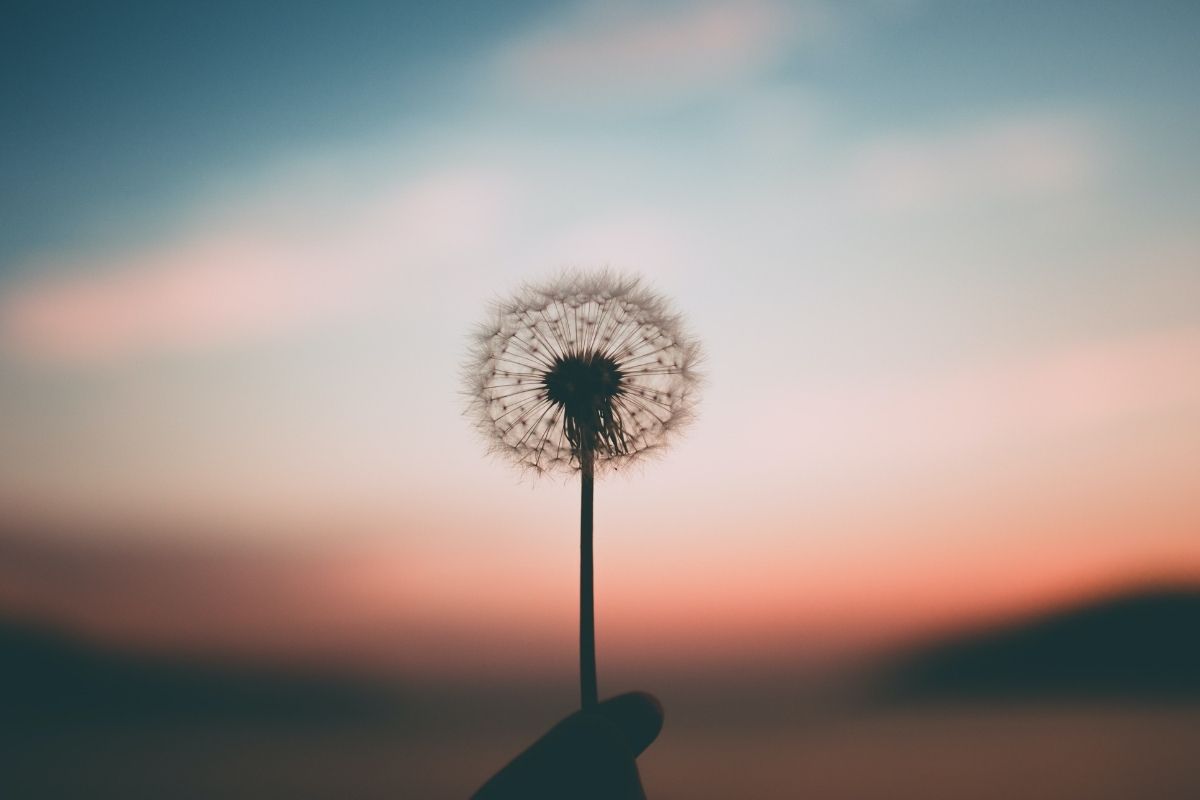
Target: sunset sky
[(944, 258)]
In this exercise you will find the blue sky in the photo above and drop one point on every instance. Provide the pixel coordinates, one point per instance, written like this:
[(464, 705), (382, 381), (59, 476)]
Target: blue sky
[(117, 112)]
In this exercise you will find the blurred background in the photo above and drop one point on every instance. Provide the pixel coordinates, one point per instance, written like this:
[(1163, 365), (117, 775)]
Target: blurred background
[(936, 532)]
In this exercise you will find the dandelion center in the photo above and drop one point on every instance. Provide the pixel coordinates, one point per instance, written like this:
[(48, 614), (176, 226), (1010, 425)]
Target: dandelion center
[(585, 387), (582, 386)]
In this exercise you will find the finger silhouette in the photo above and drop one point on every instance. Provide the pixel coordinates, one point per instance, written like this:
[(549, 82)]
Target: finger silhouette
[(589, 755)]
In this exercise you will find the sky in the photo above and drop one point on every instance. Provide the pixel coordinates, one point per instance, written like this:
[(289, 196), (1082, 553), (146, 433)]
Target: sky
[(943, 257)]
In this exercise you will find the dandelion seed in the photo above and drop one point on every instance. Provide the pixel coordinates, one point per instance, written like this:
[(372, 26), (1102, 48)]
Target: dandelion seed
[(585, 373)]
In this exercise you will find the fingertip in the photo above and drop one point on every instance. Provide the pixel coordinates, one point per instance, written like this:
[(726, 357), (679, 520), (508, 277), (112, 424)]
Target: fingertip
[(637, 715)]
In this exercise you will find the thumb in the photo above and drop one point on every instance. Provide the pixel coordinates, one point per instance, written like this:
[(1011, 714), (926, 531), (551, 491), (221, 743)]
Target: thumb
[(587, 755), (637, 717)]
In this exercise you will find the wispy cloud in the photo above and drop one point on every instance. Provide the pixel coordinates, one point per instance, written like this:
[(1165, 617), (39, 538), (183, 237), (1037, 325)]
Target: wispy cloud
[(258, 276), (856, 430), (1044, 397), (1009, 158), (643, 50)]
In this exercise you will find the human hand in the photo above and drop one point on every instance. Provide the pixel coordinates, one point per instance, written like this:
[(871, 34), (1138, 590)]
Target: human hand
[(589, 755)]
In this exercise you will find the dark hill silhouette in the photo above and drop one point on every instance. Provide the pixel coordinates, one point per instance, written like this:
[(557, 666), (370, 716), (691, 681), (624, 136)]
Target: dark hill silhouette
[(52, 677), (1143, 646)]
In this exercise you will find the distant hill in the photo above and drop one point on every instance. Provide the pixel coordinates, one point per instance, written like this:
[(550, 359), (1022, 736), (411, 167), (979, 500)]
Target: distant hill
[(52, 677), (1143, 646)]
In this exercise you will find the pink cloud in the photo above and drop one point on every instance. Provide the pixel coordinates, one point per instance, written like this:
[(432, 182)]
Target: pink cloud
[(245, 280), (1074, 389), (191, 295), (905, 421)]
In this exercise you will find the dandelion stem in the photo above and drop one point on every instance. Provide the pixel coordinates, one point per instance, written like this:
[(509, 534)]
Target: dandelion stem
[(587, 616)]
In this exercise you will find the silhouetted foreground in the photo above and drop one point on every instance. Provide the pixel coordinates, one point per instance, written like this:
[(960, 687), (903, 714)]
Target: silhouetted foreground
[(1135, 647), (82, 721), (51, 678), (589, 755)]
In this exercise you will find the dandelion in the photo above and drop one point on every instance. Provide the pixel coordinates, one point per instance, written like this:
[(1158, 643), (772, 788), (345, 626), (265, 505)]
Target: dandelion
[(582, 374)]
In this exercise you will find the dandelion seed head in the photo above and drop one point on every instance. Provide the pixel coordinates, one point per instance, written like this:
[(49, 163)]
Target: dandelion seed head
[(590, 361)]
